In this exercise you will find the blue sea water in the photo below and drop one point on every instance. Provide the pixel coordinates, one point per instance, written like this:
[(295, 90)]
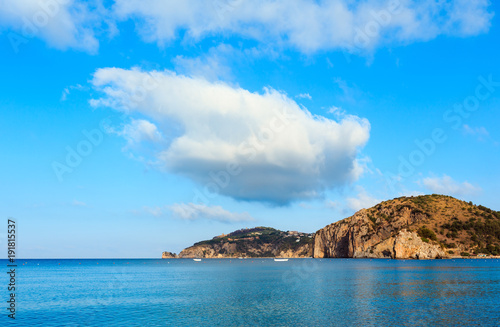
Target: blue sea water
[(255, 292)]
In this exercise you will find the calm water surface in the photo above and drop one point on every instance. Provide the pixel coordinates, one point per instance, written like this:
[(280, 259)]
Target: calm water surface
[(258, 292)]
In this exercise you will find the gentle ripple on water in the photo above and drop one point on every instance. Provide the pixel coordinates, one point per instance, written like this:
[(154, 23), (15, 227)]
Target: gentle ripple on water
[(257, 292)]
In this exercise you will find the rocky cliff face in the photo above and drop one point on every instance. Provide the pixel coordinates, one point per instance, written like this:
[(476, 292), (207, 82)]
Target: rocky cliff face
[(362, 235), (398, 229)]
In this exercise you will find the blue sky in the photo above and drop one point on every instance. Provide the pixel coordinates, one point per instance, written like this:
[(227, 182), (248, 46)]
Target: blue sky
[(133, 127)]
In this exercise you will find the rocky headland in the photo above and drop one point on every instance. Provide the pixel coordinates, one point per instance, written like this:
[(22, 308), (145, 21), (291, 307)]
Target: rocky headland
[(251, 243), (421, 227)]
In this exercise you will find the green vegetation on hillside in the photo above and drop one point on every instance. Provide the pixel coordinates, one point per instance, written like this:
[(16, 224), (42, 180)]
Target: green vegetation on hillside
[(483, 233), (426, 234)]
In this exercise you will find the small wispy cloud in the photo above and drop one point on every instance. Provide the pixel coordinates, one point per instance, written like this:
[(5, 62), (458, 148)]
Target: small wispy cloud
[(192, 211), (348, 92), (410, 193), (212, 66), (152, 211), (337, 112), (363, 200), (155, 211), (67, 91), (480, 132), (305, 205), (447, 185), (304, 96), (77, 203), (332, 204)]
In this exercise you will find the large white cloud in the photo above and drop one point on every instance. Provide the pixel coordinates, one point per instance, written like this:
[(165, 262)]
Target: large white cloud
[(308, 25), (249, 146)]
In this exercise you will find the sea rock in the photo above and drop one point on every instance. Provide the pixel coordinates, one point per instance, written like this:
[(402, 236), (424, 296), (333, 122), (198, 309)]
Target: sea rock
[(168, 255)]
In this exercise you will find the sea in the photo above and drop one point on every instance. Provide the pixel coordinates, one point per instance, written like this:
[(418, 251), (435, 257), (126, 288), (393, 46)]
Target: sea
[(253, 292)]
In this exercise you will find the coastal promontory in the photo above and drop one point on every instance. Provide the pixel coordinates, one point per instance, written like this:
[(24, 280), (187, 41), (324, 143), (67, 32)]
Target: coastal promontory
[(421, 227), (251, 243)]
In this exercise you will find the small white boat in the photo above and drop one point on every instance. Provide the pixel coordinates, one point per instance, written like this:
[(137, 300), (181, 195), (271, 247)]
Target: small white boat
[(197, 259), (280, 259)]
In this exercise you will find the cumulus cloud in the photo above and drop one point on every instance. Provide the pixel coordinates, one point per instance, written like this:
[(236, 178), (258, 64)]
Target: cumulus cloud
[(446, 185), (309, 26), (192, 211), (62, 24), (363, 200), (249, 146)]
